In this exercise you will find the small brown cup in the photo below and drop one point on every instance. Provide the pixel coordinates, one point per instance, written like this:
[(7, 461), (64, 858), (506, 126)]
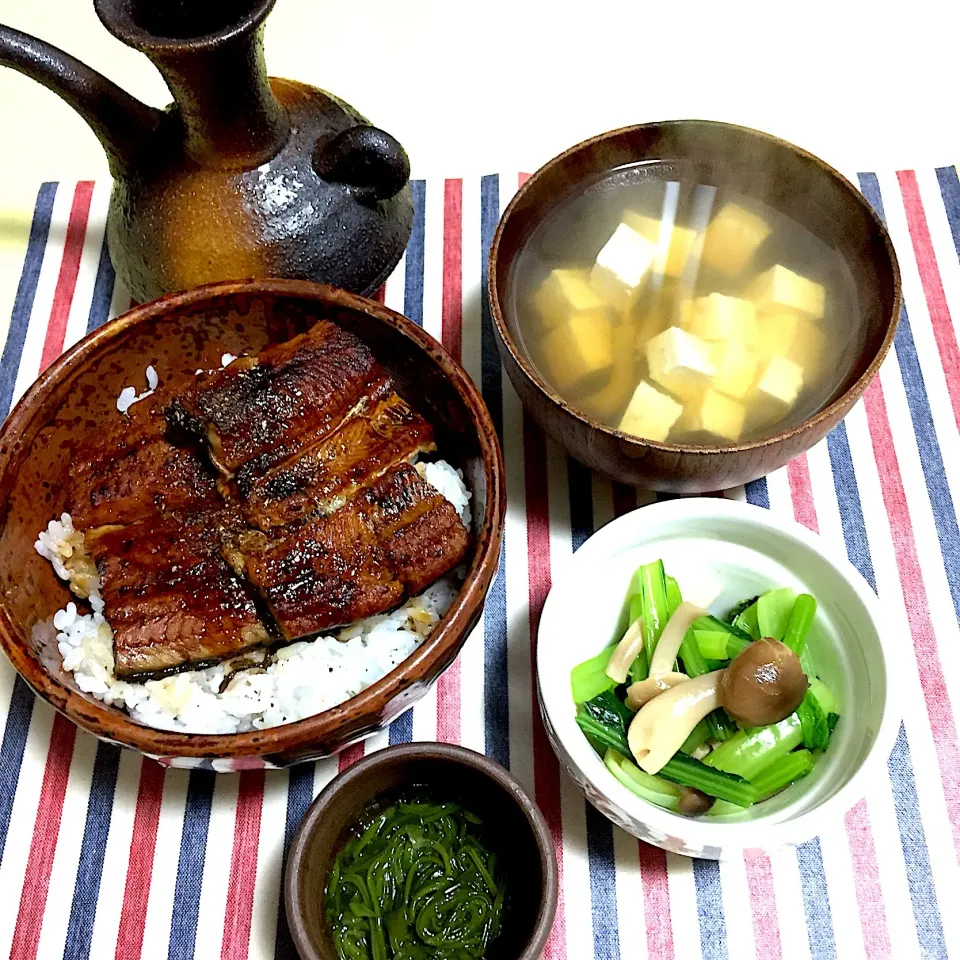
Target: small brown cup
[(487, 789)]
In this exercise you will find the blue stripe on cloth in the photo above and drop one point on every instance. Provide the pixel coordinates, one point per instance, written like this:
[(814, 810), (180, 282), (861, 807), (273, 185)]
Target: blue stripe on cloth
[(413, 272), (401, 730), (299, 796), (918, 402), (713, 926), (848, 498), (600, 853), (923, 895), (193, 850), (950, 191), (26, 293), (102, 290), (11, 751), (496, 704), (816, 901), (86, 889), (756, 493), (926, 911), (580, 483)]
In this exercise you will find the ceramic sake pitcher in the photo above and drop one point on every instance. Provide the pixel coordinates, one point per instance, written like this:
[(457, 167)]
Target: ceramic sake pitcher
[(242, 175)]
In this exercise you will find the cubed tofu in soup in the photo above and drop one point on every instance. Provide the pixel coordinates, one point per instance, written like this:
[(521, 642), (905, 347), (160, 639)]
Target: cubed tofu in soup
[(612, 397), (807, 348), (780, 383), (673, 250), (679, 362), (779, 288), (650, 414), (736, 367), (622, 264), (565, 292), (719, 317), (732, 238), (683, 311), (579, 349), (777, 332), (716, 414)]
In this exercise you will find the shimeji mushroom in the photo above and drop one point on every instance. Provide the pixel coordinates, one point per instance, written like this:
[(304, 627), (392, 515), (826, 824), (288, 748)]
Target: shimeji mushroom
[(627, 649), (657, 732), (764, 684), (662, 675)]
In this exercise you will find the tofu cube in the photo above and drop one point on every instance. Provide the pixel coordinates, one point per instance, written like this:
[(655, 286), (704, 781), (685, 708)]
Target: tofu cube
[(650, 414), (578, 349), (807, 348), (717, 414), (562, 293), (673, 249), (779, 288), (718, 317), (732, 238), (777, 333), (680, 362), (736, 367), (779, 385), (611, 398), (622, 264)]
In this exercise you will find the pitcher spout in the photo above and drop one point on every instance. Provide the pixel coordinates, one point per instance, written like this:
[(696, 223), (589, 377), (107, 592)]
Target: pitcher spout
[(121, 122)]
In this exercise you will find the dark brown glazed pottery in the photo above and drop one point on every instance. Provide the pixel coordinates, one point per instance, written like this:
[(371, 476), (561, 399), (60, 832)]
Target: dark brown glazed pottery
[(178, 335), (752, 163), (242, 176), (449, 773)]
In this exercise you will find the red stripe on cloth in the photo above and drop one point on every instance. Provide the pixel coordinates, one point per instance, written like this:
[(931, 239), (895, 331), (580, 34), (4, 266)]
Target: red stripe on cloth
[(866, 882), (448, 685), (546, 770), (866, 879), (380, 294), (656, 902), (801, 492), (67, 278), (522, 178), (763, 906), (452, 305), (43, 846), (943, 330), (936, 694), (243, 867), (349, 756), (143, 843)]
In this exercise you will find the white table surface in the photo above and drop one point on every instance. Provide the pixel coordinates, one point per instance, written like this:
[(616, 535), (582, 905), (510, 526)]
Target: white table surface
[(473, 87)]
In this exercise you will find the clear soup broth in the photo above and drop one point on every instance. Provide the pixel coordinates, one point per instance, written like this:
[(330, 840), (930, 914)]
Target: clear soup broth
[(684, 312)]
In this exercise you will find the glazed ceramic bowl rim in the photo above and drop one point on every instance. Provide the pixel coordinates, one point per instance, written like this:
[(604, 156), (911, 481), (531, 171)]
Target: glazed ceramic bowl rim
[(702, 833), (425, 751), (448, 635), (837, 405)]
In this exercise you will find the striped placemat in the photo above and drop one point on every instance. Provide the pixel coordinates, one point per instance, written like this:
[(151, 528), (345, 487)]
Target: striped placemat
[(105, 854)]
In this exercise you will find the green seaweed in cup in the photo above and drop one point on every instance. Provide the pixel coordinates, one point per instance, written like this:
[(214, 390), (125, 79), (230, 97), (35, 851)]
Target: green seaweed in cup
[(703, 714), (417, 880)]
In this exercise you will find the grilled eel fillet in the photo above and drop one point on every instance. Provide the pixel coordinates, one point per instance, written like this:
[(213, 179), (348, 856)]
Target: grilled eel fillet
[(326, 475), (259, 411), (170, 597), (133, 472), (394, 538)]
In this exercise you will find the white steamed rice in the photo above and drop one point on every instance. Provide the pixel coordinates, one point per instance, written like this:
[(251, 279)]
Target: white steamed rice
[(296, 681)]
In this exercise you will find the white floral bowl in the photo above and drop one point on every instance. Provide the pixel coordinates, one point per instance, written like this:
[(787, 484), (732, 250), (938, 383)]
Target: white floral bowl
[(749, 550)]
